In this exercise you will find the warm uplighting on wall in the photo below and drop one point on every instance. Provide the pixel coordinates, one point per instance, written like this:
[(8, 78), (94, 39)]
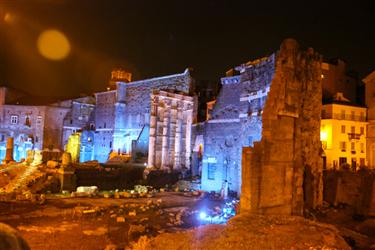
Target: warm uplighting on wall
[(323, 136), (73, 146), (326, 136)]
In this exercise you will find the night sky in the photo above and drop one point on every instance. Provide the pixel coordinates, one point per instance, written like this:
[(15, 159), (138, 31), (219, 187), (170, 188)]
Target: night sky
[(155, 38)]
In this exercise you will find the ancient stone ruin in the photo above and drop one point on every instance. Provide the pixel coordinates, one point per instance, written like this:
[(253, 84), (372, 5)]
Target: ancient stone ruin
[(9, 150), (170, 131), (282, 173)]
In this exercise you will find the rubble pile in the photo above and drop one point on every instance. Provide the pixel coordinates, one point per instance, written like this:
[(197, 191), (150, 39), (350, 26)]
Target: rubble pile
[(247, 231)]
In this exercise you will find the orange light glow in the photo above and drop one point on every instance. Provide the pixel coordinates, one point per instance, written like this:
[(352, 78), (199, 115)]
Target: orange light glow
[(9, 18), (53, 45)]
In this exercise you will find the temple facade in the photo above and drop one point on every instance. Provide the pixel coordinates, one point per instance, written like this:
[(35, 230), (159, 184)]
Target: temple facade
[(171, 121), (123, 113)]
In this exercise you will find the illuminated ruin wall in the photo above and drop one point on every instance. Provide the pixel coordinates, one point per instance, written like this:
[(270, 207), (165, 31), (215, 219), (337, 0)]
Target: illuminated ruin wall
[(282, 173), (122, 115), (170, 131), (74, 146), (32, 127), (119, 117), (81, 116), (235, 122)]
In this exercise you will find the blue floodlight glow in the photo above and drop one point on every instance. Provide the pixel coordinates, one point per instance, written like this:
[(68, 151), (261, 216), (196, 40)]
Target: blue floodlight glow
[(202, 215), (218, 216)]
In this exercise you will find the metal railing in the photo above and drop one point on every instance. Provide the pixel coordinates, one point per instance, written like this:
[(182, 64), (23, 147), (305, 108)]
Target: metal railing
[(348, 117), (354, 136)]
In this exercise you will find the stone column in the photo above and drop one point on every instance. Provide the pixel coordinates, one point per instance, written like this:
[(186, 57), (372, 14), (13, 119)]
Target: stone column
[(152, 139), (164, 147), (177, 143), (189, 121), (9, 150)]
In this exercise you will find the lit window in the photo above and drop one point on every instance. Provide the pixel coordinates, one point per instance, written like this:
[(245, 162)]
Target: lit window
[(14, 119), (343, 114), (361, 116), (343, 146), (27, 121), (353, 115), (352, 129), (352, 146), (343, 129)]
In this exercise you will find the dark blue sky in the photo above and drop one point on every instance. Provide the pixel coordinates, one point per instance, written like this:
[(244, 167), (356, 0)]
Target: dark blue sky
[(154, 38)]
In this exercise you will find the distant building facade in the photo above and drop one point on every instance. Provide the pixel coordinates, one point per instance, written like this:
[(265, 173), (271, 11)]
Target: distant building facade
[(32, 127), (337, 78), (343, 135), (370, 103)]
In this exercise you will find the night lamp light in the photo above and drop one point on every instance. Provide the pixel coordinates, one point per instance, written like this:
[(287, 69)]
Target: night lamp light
[(202, 215)]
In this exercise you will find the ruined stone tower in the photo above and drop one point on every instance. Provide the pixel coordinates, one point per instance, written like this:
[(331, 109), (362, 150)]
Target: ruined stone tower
[(282, 173), (119, 75)]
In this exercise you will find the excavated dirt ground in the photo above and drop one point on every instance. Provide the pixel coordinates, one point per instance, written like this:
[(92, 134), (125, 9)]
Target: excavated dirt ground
[(94, 223), (254, 232), (166, 222)]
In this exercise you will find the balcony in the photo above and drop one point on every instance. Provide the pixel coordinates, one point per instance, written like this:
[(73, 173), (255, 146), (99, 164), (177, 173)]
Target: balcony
[(354, 136), (347, 117)]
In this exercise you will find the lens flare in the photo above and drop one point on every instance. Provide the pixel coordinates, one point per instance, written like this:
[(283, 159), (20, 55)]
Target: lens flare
[(9, 18), (53, 45)]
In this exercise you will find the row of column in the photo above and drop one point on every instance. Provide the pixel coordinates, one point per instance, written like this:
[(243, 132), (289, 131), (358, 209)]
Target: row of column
[(175, 138)]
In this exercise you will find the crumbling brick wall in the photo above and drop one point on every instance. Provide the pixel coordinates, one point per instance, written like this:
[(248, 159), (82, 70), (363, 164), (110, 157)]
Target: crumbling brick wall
[(283, 172)]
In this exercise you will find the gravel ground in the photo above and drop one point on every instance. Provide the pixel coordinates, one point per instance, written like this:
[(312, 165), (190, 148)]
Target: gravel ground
[(247, 231)]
